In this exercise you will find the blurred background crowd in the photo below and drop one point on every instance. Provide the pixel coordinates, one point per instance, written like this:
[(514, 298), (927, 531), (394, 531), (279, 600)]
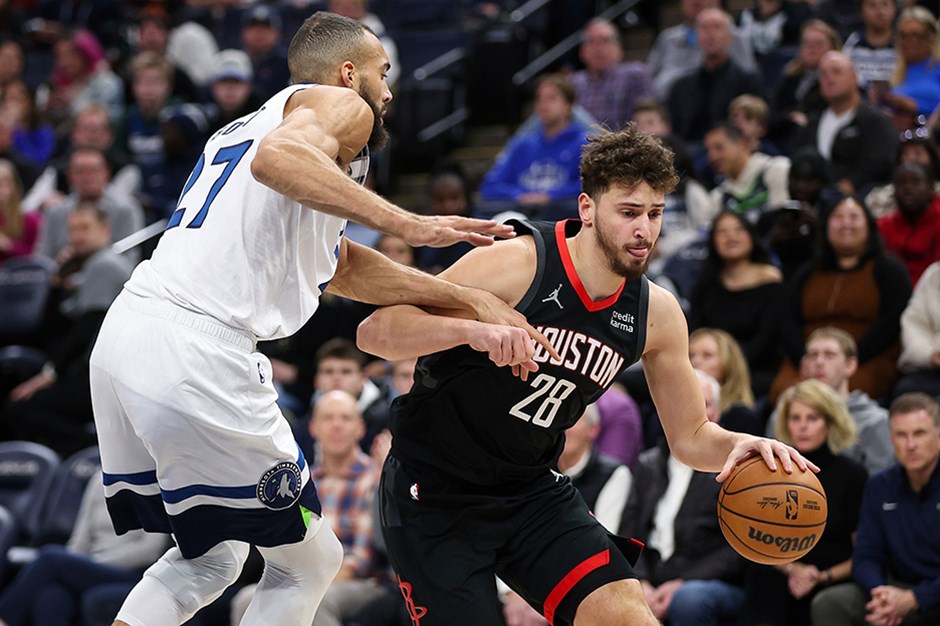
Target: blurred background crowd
[(803, 242)]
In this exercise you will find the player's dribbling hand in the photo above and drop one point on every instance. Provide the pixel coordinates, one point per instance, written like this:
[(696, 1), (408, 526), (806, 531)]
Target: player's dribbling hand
[(440, 231), (770, 450)]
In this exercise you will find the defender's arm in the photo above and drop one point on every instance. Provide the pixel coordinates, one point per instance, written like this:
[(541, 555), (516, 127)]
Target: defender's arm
[(305, 157)]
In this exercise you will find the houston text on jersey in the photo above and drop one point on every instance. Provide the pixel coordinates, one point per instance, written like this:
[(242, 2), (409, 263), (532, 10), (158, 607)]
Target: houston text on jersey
[(580, 353)]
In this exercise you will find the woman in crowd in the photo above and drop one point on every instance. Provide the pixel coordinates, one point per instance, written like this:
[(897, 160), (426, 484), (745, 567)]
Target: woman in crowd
[(33, 140), (80, 76), (853, 285), (738, 291), (915, 86), (814, 420), (916, 147), (716, 353), (18, 230)]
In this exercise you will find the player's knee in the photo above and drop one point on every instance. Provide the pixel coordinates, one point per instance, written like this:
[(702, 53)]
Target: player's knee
[(311, 564), (620, 603), (325, 557), (192, 581)]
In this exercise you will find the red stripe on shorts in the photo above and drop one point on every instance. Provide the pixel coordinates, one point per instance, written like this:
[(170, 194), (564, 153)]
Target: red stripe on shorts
[(571, 579)]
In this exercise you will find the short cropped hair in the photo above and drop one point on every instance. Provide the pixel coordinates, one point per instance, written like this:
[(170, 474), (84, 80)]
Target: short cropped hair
[(915, 401), (753, 107), (152, 61), (561, 83), (342, 349), (626, 157), (828, 403), (846, 342), (323, 42), (101, 216), (651, 105), (731, 131)]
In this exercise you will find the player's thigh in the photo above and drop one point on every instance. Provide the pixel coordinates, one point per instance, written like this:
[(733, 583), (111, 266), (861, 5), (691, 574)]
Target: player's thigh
[(618, 603), (442, 580), (561, 556), (443, 560)]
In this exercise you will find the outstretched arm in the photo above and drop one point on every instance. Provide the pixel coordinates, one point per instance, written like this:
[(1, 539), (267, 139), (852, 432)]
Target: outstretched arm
[(306, 156), (692, 438), (501, 275)]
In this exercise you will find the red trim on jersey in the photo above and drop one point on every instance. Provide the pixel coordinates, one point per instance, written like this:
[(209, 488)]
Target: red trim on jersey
[(571, 579), (573, 277)]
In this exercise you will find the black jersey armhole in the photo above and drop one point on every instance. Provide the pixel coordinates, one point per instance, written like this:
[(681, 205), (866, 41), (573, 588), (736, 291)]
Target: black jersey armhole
[(539, 263), (643, 314)]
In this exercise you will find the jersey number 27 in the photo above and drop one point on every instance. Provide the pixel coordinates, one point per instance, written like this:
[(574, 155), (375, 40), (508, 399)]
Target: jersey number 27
[(230, 156)]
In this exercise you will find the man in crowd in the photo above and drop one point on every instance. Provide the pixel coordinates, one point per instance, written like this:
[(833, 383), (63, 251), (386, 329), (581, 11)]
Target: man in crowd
[(896, 562)]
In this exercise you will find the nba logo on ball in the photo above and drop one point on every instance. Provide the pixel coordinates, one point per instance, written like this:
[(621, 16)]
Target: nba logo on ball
[(771, 517), (279, 488)]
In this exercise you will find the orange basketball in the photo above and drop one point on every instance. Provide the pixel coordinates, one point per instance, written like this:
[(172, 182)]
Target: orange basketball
[(771, 517)]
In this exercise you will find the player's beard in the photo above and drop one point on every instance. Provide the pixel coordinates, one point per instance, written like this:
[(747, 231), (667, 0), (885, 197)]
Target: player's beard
[(379, 136), (631, 268)]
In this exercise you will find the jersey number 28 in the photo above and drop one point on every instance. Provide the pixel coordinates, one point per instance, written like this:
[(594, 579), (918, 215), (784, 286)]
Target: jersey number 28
[(554, 390)]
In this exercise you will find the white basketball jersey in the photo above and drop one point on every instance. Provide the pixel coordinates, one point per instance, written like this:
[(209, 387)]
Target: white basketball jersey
[(237, 250)]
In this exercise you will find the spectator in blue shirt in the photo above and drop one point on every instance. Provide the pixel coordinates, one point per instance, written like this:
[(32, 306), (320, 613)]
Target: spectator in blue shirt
[(896, 562), (541, 166)]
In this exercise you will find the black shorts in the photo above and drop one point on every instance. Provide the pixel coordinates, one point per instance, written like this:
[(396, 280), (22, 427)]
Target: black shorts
[(543, 542)]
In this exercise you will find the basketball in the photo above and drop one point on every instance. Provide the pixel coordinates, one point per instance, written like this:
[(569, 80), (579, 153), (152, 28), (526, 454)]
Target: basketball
[(771, 517)]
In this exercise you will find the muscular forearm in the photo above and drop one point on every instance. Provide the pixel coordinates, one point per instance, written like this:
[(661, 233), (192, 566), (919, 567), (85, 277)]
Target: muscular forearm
[(404, 332), (320, 184), (365, 275), (707, 448)]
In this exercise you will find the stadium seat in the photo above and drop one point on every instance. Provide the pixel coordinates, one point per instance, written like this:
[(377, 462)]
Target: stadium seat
[(65, 496), (18, 364), (26, 473), (24, 288), (8, 533)]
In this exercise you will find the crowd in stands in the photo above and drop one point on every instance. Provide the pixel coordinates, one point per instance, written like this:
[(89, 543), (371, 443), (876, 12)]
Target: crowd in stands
[(803, 243)]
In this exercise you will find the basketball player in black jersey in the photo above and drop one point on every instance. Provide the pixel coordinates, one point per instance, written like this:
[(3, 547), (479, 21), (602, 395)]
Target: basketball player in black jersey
[(468, 492)]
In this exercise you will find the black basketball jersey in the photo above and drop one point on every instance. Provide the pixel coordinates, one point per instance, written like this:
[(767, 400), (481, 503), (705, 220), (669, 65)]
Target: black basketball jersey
[(474, 424)]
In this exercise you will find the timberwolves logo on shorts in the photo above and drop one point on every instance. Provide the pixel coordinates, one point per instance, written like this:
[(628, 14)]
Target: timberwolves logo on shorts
[(279, 488)]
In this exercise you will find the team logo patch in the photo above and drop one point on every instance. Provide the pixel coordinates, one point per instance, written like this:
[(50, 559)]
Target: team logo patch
[(279, 488)]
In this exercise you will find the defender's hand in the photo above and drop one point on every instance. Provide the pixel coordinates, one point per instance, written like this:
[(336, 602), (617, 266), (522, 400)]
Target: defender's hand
[(439, 231)]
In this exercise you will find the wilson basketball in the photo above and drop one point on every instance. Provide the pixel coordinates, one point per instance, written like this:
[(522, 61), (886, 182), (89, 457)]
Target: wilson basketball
[(771, 517)]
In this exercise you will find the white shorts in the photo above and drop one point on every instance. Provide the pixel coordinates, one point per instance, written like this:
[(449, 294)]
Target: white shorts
[(191, 439)]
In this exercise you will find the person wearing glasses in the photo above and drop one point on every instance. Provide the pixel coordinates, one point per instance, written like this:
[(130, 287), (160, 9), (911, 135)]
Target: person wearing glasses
[(914, 89)]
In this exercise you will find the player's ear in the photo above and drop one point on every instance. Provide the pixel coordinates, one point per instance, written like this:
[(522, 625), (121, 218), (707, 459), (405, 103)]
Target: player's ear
[(586, 209), (348, 74)]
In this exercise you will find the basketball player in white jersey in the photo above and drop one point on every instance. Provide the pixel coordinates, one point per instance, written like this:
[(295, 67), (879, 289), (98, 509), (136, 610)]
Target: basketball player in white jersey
[(191, 439)]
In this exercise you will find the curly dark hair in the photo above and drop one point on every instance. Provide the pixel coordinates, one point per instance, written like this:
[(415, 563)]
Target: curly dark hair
[(626, 158)]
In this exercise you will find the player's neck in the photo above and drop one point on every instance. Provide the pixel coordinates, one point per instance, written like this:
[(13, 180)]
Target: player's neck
[(592, 267)]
